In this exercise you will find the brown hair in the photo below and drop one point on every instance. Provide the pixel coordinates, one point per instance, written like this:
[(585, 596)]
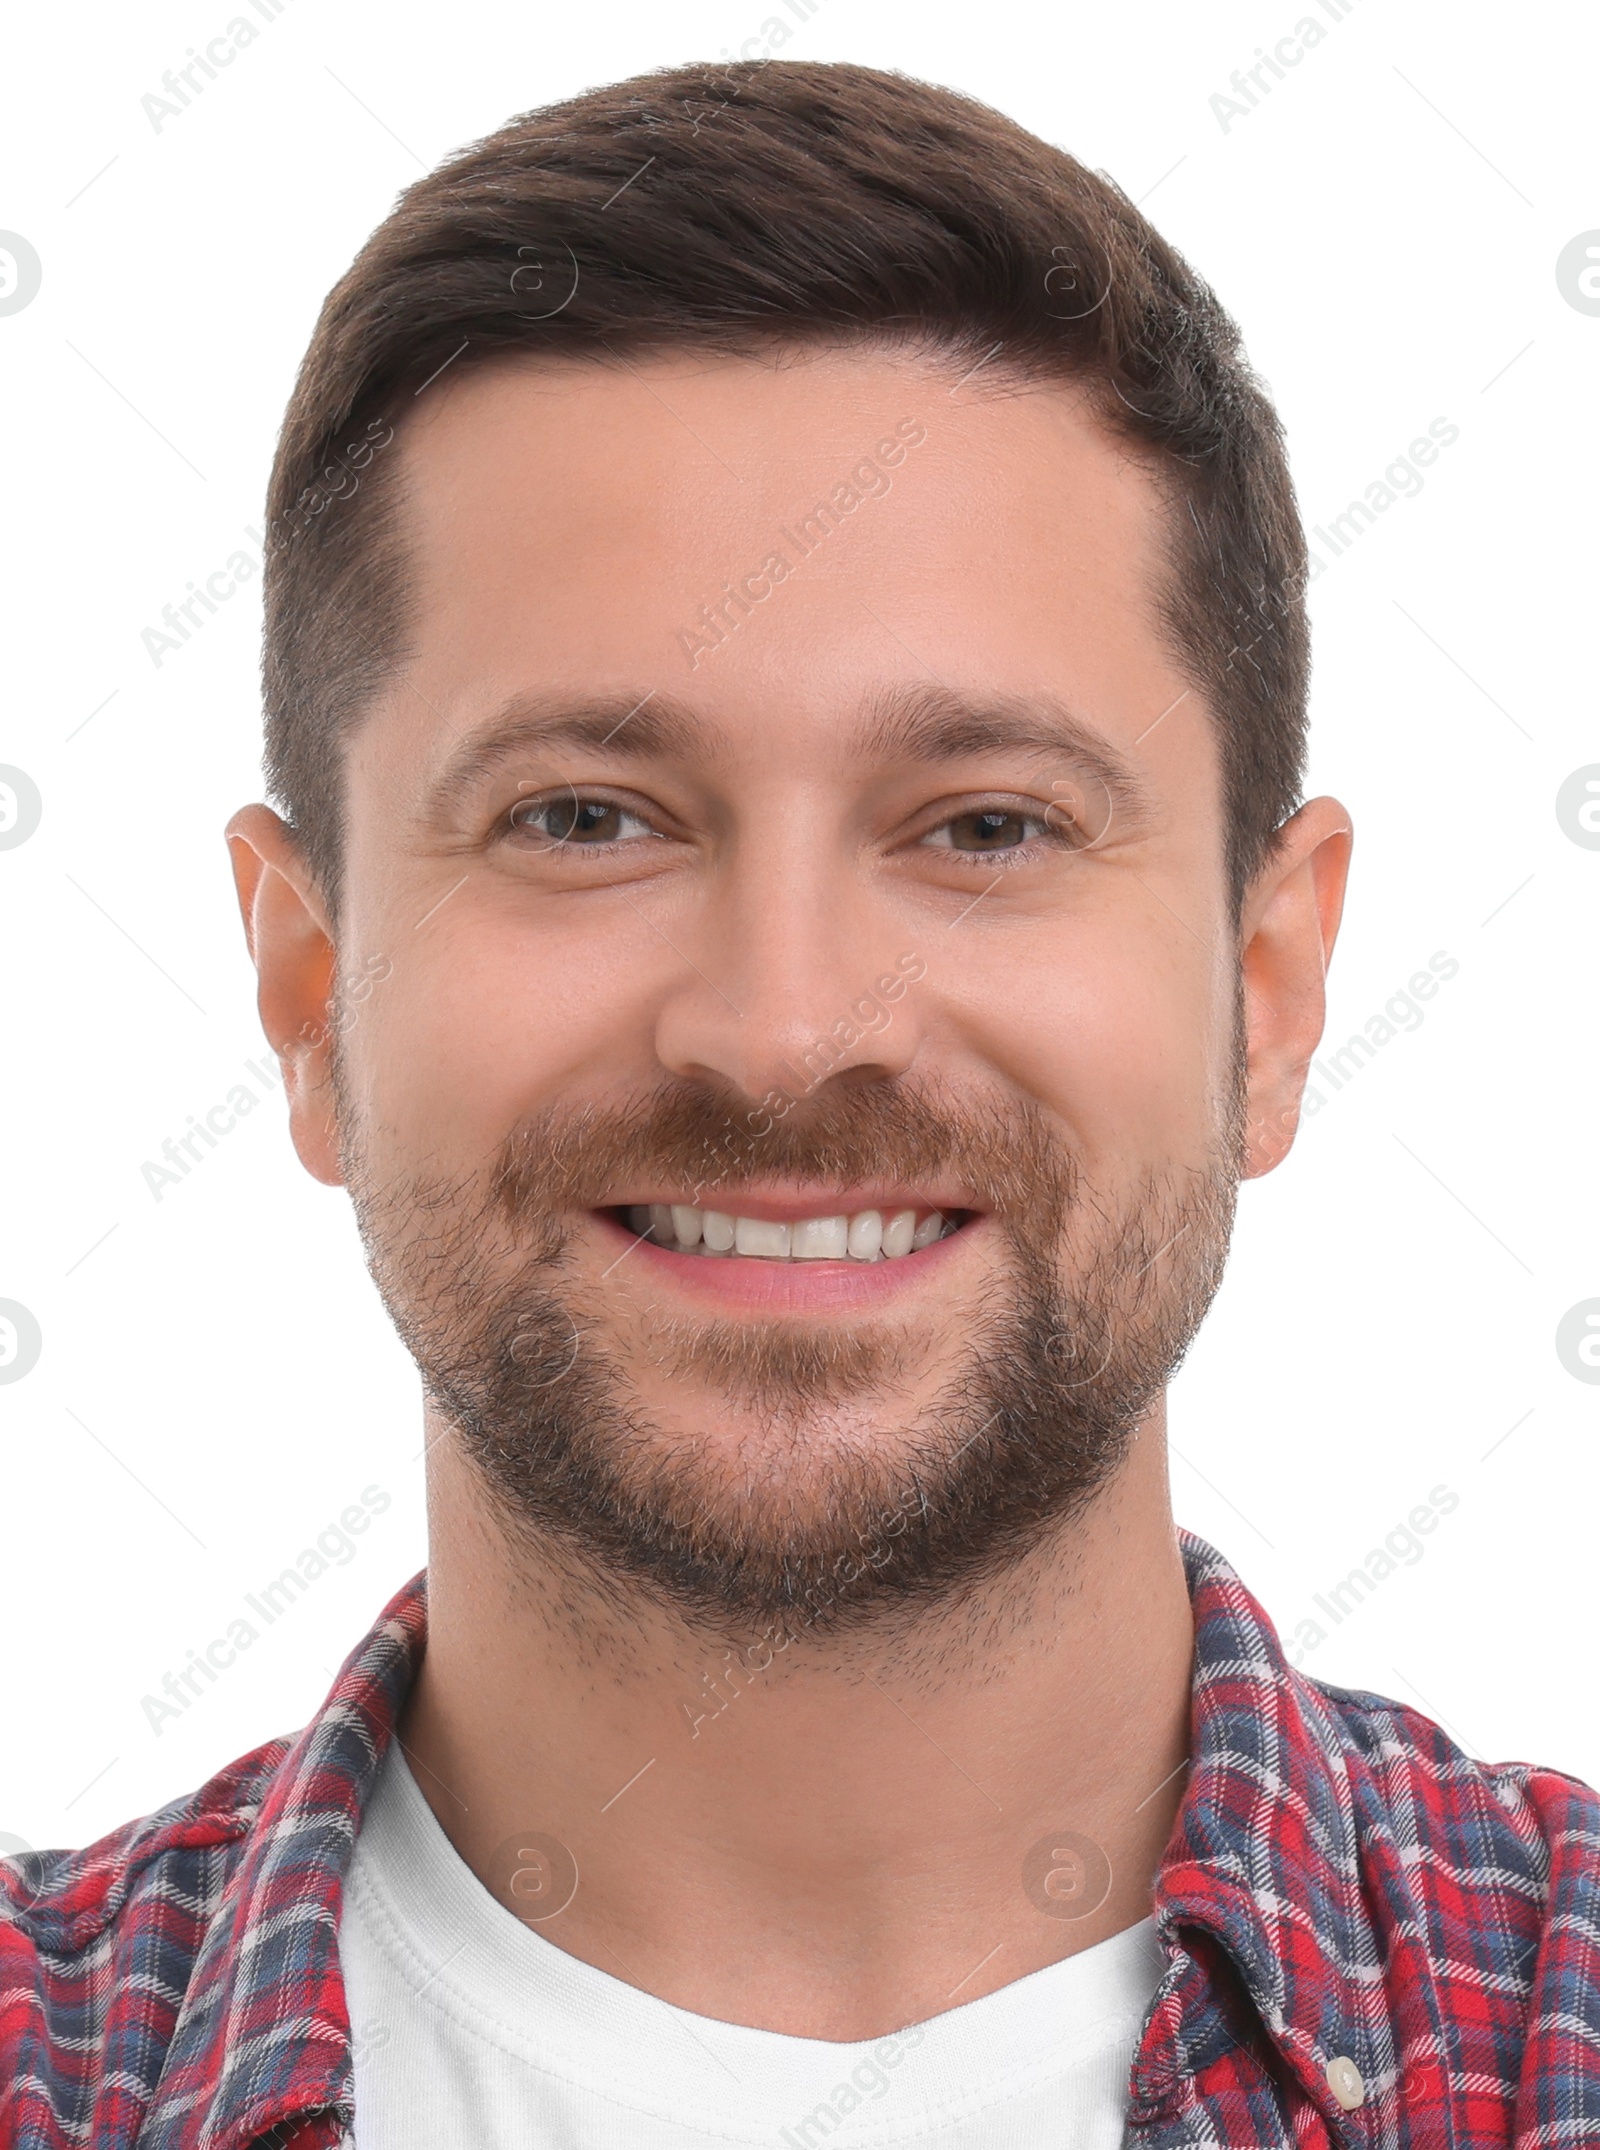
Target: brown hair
[(775, 203)]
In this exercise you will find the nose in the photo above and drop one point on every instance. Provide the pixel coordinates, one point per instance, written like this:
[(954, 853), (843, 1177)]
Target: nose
[(795, 977)]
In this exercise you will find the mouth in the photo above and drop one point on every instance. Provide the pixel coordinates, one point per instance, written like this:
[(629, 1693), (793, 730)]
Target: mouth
[(887, 1233), (793, 1254)]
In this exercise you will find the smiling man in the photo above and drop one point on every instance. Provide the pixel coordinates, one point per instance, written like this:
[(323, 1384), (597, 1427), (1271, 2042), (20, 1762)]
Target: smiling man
[(791, 916)]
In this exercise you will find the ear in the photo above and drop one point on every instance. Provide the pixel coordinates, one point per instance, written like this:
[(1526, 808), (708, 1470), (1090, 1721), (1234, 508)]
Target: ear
[(1288, 924), (291, 942)]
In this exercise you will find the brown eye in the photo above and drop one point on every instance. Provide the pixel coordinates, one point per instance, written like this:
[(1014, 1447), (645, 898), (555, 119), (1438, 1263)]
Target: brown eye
[(573, 820), (989, 829)]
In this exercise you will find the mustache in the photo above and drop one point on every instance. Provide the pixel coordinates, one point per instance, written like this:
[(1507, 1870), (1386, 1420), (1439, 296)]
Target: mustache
[(714, 1144)]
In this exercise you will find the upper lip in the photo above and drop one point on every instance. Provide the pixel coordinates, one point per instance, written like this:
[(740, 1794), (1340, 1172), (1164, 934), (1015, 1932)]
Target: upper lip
[(779, 1206)]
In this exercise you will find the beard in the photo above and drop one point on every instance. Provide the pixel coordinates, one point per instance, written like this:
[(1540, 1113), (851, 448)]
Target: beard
[(837, 1504)]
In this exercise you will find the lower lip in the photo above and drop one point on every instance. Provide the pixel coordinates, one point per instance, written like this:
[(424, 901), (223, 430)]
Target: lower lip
[(797, 1287)]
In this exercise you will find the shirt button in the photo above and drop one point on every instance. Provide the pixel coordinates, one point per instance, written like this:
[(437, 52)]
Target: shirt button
[(1344, 2080)]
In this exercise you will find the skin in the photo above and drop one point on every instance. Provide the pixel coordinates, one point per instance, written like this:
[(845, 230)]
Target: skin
[(837, 1851)]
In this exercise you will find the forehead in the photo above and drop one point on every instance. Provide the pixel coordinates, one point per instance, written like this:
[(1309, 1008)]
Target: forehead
[(778, 542)]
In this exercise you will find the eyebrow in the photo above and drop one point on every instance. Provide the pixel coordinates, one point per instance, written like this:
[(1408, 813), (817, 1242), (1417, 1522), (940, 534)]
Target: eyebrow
[(651, 727), (923, 724), (935, 724)]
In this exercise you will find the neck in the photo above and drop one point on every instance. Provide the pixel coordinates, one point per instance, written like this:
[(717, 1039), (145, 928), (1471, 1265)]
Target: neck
[(835, 1843)]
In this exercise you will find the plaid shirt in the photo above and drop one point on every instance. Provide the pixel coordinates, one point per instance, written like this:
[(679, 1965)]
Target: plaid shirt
[(1348, 1905)]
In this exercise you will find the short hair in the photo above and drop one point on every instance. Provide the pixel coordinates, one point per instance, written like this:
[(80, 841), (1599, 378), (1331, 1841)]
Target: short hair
[(770, 205)]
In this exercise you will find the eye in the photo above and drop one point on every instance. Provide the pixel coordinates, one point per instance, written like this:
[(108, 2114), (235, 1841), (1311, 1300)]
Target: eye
[(571, 819), (988, 829)]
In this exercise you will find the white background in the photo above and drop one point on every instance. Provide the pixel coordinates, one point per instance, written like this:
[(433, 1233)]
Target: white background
[(217, 1379)]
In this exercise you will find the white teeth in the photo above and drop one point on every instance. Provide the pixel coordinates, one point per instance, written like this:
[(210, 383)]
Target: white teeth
[(760, 1235), (820, 1239), (871, 1235)]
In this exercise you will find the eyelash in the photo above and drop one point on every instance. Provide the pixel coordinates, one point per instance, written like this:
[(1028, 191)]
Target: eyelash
[(511, 824), (1007, 858), (1013, 855)]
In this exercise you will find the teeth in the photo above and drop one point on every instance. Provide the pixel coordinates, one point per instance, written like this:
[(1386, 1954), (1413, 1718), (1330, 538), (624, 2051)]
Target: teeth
[(820, 1239), (759, 1235), (871, 1235)]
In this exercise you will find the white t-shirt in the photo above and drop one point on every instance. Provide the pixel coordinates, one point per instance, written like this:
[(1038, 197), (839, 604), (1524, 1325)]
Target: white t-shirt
[(471, 2031)]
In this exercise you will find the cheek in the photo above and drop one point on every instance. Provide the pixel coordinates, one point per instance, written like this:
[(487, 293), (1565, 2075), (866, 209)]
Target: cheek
[(1122, 1034), (484, 1019)]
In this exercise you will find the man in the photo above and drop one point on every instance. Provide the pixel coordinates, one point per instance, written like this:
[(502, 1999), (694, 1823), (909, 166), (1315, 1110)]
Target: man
[(792, 915)]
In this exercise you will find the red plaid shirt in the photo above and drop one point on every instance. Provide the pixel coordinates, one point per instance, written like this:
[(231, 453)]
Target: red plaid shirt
[(1347, 1903)]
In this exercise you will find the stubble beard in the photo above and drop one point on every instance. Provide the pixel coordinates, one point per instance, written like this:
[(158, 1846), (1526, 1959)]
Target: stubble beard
[(835, 1509)]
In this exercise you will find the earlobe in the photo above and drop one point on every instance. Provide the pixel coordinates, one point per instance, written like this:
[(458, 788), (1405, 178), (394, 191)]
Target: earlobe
[(1289, 925), (291, 944)]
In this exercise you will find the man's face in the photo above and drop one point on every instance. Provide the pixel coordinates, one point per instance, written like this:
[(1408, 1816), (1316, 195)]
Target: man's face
[(789, 813)]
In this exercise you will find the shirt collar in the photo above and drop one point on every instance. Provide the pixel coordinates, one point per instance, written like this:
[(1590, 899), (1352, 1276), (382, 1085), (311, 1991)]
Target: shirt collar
[(264, 2034), (1263, 1857), (1265, 1853)]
